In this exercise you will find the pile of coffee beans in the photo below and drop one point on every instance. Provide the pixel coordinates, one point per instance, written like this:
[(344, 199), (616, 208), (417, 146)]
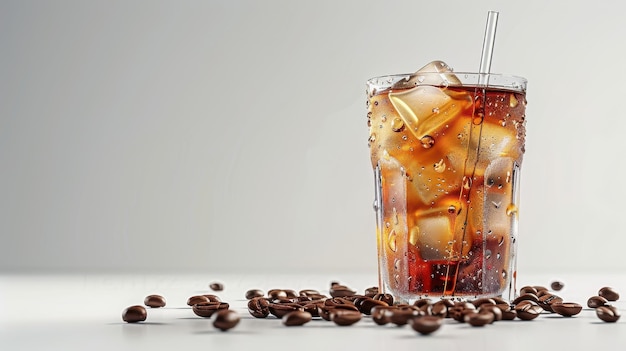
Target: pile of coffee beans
[(345, 307)]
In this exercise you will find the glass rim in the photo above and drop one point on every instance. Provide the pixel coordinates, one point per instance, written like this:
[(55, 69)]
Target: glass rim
[(468, 79)]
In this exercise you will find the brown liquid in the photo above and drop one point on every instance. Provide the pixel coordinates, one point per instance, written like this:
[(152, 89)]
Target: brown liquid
[(447, 163)]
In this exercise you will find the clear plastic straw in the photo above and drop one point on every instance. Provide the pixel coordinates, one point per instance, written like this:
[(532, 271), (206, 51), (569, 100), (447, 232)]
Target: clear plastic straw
[(488, 43)]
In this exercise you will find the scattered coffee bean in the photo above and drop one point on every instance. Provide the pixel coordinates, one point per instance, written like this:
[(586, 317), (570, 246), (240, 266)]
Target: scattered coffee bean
[(296, 318), (371, 291), (422, 302), (540, 288), (528, 290), (388, 298), (528, 310), (440, 308), (608, 293), (526, 296), (212, 298), (226, 319), (259, 307), (381, 314), (368, 304), (216, 286), (477, 319), (567, 309), (401, 315), (509, 315), (154, 301), (484, 300), (426, 325), (277, 294), (134, 314), (556, 285), (493, 309), (281, 309), (344, 317), (547, 300), (252, 293), (308, 292), (196, 299), (609, 314), (207, 309), (597, 301), (338, 290)]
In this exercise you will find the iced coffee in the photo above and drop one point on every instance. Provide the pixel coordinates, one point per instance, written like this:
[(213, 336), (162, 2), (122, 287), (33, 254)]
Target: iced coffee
[(446, 149)]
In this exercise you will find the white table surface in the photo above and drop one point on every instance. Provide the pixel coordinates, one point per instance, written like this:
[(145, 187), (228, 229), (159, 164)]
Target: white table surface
[(83, 312)]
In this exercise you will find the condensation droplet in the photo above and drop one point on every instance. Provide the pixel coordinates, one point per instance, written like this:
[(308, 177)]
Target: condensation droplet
[(511, 210), (395, 216), (467, 183), (487, 254), (421, 79), (504, 274), (375, 205), (435, 109), (396, 264), (397, 125), (427, 141), (508, 176), (440, 166), (501, 242), (451, 209), (498, 256), (391, 240), (496, 204)]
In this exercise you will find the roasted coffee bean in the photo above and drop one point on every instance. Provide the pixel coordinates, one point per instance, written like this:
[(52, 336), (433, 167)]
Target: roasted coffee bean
[(556, 285), (422, 302), (274, 294), (381, 314), (333, 283), (259, 307), (212, 298), (252, 293), (528, 310), (296, 318), (207, 309), (368, 304), (344, 317), (388, 298), (226, 319), (526, 296), (540, 288), (460, 309), (567, 309), (528, 290), (499, 300), (509, 315), (338, 290), (311, 308), (308, 292), (426, 325), (196, 299), (608, 293), (477, 319), (597, 301), (134, 314), (154, 301), (401, 316), (609, 314), (370, 292), (216, 286), (493, 309), (484, 300), (440, 308), (547, 300), (281, 309)]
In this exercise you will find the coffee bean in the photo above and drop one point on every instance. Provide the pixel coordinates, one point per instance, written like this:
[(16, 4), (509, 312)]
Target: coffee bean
[(154, 301), (344, 317), (259, 307), (207, 309), (281, 309), (477, 319), (608, 293), (528, 310), (212, 298), (540, 288), (296, 318), (547, 300), (216, 286), (526, 296), (196, 299), (556, 285), (338, 290), (484, 300), (226, 319), (493, 309), (597, 301), (401, 316), (371, 291), (509, 315), (381, 314), (440, 308), (252, 293), (426, 325), (528, 289), (609, 314), (368, 304), (134, 314), (276, 294), (388, 298), (308, 292), (567, 309), (422, 302)]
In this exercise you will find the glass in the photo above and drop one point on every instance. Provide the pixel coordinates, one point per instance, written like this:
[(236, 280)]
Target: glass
[(446, 149)]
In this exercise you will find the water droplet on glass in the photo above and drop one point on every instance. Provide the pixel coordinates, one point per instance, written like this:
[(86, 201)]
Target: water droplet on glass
[(421, 79), (395, 216), (427, 141), (396, 264), (397, 125), (451, 209), (501, 242), (498, 256), (513, 101), (467, 183), (383, 118), (440, 166), (504, 274), (477, 120), (487, 254), (511, 210), (414, 233), (375, 205), (496, 204), (392, 240), (405, 138), (375, 103), (435, 109)]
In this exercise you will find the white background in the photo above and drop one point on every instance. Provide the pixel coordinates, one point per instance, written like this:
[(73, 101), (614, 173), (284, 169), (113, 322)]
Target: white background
[(231, 135)]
